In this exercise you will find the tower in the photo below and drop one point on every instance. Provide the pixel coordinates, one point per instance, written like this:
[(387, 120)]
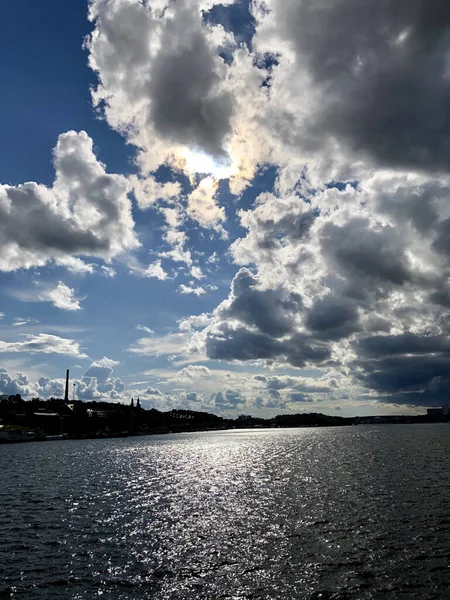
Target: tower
[(66, 394)]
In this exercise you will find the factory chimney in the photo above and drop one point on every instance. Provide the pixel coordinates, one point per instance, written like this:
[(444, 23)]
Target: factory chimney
[(66, 395)]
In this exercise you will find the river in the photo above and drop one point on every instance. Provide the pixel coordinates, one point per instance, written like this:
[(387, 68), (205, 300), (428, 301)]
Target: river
[(320, 513)]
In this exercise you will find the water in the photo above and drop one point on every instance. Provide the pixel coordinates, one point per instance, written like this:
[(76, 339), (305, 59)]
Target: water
[(341, 513)]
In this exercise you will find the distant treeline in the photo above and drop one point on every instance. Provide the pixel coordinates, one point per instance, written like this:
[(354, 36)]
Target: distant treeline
[(102, 419)]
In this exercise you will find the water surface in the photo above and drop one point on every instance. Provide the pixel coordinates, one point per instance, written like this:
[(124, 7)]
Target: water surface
[(341, 513)]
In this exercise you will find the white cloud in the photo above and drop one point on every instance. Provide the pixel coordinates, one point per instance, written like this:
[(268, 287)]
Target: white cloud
[(61, 296), (202, 206), (108, 271), (75, 265), (86, 211), (195, 322), (155, 270), (105, 362), (144, 328), (15, 384), (186, 289), (197, 273), (193, 372), (44, 343), (97, 383), (19, 322), (180, 345), (148, 191), (159, 70), (155, 346)]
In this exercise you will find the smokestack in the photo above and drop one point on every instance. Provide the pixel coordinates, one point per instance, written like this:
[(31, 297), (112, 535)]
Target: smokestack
[(66, 395)]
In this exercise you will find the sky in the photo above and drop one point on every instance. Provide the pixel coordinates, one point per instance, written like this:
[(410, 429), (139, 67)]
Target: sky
[(239, 208)]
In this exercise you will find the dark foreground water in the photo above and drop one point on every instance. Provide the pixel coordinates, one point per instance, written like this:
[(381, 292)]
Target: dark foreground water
[(360, 512)]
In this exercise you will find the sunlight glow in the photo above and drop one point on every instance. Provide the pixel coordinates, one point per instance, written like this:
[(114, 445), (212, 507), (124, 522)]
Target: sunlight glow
[(199, 162)]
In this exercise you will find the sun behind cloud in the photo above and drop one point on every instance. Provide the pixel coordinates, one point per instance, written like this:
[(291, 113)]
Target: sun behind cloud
[(199, 162)]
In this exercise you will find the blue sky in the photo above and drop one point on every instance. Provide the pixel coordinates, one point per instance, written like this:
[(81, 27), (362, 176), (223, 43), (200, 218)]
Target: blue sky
[(225, 207)]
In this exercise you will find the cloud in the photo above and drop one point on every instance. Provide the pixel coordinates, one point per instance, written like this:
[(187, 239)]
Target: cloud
[(342, 266), (195, 322), (202, 206), (48, 388), (272, 312), (101, 369), (159, 70), (148, 191), (44, 343), (228, 400), (332, 318), (376, 255), (76, 265), (187, 289), (241, 344), (155, 270), (377, 74), (152, 392), (18, 322), (197, 273), (86, 212), (144, 328), (98, 382), (171, 344), (303, 384), (18, 384), (108, 271), (407, 368), (61, 296), (299, 397), (194, 372)]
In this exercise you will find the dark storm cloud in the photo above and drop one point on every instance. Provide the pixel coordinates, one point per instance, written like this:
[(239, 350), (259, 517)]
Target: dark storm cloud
[(267, 326), (442, 241), (229, 343), (332, 318), (241, 344), (441, 297), (407, 368), (406, 343), (186, 104), (301, 385), (375, 323), (415, 204), (384, 71), (362, 253), (270, 311)]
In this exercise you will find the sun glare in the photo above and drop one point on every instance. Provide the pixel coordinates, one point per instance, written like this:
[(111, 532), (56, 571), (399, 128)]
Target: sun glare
[(199, 162)]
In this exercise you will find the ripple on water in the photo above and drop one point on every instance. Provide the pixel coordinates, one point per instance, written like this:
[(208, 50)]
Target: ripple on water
[(354, 513)]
